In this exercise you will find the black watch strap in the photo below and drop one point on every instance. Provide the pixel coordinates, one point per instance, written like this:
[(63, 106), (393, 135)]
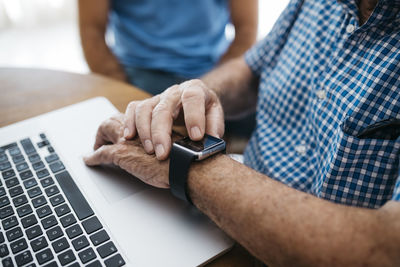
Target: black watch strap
[(179, 164)]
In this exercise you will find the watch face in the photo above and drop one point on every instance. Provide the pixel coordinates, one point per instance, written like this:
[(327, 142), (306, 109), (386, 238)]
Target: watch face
[(207, 142)]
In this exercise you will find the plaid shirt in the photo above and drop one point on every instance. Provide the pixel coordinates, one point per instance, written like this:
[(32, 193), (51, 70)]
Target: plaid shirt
[(323, 79)]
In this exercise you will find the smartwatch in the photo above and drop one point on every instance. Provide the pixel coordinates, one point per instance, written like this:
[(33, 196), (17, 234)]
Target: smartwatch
[(183, 153)]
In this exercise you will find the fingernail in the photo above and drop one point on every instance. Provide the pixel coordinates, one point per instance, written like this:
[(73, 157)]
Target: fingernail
[(195, 132), (148, 146), (126, 132), (159, 150)]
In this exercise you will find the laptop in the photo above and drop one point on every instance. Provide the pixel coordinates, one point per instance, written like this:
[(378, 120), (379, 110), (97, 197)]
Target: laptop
[(56, 211)]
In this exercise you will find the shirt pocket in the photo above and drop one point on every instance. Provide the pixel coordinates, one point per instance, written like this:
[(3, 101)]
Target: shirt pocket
[(361, 172)]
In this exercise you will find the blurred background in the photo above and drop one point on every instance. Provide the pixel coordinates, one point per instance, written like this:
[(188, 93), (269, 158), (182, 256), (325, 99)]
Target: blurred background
[(44, 33)]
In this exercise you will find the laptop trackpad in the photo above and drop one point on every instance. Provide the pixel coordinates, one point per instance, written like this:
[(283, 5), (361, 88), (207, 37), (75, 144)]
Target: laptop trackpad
[(116, 184)]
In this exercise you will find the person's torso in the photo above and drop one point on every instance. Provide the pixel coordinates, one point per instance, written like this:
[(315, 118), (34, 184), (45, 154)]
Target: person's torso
[(324, 81), (185, 37)]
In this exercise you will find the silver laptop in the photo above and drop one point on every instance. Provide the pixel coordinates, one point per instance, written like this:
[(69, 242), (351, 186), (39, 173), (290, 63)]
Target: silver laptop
[(56, 211)]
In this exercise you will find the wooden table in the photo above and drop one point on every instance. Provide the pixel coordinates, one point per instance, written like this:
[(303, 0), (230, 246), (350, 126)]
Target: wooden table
[(29, 92)]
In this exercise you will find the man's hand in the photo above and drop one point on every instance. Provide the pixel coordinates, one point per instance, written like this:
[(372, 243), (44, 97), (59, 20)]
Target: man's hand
[(152, 119), (112, 148)]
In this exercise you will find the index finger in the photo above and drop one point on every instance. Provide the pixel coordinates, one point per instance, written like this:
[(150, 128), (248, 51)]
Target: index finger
[(162, 120)]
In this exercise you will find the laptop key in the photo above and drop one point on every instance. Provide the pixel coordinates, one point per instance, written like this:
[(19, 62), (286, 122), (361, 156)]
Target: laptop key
[(22, 166), (87, 255), (49, 222), (56, 166), (50, 149), (52, 264), (42, 173), (57, 200), (33, 232), (39, 243), (2, 191), (29, 221), (99, 237), (14, 234), (4, 250), (60, 245), (115, 261), (3, 157), (91, 225), (107, 249), (74, 231), (18, 245), (2, 239), (68, 220), (25, 175), (51, 158), (24, 210), (7, 262), (74, 195), (43, 143), (30, 183), (39, 201), (43, 211), (42, 135), (4, 201), (36, 191), (34, 158), (8, 174), (80, 243), (12, 182), (6, 212), (10, 222), (94, 264), (15, 151), (62, 210), (44, 256), (38, 165), (15, 191), (66, 257), (54, 233), (5, 165), (18, 158), (50, 191), (23, 258), (28, 146), (47, 181), (20, 200)]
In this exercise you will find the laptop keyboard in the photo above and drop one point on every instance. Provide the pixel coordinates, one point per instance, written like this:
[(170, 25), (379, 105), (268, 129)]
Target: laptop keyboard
[(45, 219)]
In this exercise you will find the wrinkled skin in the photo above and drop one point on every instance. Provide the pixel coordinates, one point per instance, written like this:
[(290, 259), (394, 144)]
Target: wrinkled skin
[(111, 148)]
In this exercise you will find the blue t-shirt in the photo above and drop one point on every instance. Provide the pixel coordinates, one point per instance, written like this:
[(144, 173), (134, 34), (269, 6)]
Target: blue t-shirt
[(184, 37)]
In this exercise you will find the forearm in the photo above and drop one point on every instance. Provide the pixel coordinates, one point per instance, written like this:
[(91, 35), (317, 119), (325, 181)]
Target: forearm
[(244, 39), (236, 87), (283, 226), (244, 18), (92, 25), (98, 56)]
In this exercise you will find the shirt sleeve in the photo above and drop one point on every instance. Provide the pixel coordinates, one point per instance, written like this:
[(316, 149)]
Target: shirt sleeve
[(396, 191), (264, 55)]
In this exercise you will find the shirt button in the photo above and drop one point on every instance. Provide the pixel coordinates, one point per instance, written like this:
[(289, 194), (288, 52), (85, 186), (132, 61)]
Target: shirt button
[(350, 28), (301, 149), (321, 94)]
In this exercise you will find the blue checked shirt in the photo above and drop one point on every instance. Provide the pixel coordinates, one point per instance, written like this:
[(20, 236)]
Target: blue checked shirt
[(323, 79)]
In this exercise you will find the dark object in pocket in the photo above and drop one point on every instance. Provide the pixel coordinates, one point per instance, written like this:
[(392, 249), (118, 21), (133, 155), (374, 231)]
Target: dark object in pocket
[(387, 129)]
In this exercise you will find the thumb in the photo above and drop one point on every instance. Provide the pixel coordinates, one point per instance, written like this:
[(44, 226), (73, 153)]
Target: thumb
[(103, 155)]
